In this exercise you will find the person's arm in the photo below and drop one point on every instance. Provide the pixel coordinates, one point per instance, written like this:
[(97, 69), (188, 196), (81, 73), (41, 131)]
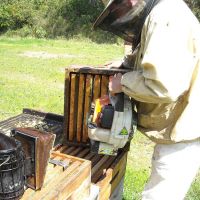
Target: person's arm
[(166, 66)]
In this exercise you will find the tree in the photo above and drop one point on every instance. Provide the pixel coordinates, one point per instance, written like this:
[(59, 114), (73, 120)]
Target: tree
[(195, 6)]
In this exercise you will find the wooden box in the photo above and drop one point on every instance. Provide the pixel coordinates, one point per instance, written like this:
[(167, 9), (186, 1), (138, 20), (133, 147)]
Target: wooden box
[(106, 171), (72, 183), (82, 86)]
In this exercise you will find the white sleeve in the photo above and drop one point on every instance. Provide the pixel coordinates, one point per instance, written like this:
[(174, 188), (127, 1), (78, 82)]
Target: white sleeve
[(166, 65)]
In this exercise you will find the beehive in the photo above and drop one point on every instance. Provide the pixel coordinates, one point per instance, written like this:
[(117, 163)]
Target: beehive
[(63, 183), (82, 86)]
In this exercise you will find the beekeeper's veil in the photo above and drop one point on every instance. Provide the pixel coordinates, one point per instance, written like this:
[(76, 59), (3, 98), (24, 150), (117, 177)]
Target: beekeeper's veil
[(125, 18)]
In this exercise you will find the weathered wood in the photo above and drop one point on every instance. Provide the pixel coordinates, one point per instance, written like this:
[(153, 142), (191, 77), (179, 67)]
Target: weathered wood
[(105, 193), (101, 162), (96, 70), (80, 108), (105, 179), (83, 85), (86, 108), (119, 170), (106, 171), (83, 153), (97, 87), (101, 170), (66, 105), (73, 182), (69, 150), (71, 109), (104, 85), (65, 184), (82, 192), (96, 159)]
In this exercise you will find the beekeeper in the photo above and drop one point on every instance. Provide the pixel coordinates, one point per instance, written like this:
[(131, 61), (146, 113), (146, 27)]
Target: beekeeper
[(165, 82)]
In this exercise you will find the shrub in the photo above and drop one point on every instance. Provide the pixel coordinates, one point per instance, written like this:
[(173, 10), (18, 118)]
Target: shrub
[(58, 18), (15, 14)]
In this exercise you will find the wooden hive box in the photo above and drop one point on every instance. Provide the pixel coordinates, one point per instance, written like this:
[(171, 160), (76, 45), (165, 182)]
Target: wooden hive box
[(82, 86), (72, 183)]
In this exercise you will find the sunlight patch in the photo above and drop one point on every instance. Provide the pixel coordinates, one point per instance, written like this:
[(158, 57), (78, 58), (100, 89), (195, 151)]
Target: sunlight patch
[(46, 55)]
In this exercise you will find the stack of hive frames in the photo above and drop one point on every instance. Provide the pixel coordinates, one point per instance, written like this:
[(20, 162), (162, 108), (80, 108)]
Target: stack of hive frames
[(83, 85)]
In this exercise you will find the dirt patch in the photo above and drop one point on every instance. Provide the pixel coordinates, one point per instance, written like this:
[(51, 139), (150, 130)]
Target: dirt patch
[(46, 55)]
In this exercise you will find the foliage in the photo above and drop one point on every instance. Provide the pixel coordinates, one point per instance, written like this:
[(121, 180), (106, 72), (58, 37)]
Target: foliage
[(195, 6), (57, 18), (50, 18), (73, 19), (15, 14)]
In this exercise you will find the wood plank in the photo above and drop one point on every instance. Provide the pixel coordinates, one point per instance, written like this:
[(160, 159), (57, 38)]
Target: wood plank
[(96, 159), (76, 151), (100, 162), (36, 195), (114, 174), (59, 147), (89, 156), (69, 150), (66, 105), (83, 153), (97, 70), (72, 158), (80, 107), (104, 85), (96, 88), (98, 173), (86, 108), (110, 176), (118, 178), (51, 195), (83, 190), (105, 194), (76, 106), (119, 163), (71, 109), (67, 186), (61, 184), (54, 182), (105, 179), (52, 172)]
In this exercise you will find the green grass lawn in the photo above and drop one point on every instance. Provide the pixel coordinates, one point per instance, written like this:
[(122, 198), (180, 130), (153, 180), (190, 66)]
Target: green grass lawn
[(32, 76)]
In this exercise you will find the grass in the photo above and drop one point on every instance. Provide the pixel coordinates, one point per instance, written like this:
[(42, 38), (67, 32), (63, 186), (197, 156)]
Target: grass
[(38, 83), (138, 167)]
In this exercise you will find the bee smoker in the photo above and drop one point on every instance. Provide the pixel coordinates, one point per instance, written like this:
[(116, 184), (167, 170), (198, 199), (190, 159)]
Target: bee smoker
[(12, 168)]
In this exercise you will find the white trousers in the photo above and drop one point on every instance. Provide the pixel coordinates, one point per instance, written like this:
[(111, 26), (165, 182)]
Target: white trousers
[(174, 167)]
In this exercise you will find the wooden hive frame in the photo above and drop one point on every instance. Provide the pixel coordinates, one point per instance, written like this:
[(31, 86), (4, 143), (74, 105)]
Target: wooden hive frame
[(82, 86)]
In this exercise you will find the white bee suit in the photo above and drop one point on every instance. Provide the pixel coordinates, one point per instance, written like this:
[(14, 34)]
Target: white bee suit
[(166, 83)]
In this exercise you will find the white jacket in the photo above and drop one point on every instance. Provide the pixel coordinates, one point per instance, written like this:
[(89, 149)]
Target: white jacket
[(165, 80)]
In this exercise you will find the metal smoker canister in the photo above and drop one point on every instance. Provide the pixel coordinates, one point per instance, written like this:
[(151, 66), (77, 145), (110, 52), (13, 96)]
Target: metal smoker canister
[(12, 170)]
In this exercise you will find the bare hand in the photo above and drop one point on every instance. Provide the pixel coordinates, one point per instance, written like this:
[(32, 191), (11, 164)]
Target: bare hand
[(115, 83)]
